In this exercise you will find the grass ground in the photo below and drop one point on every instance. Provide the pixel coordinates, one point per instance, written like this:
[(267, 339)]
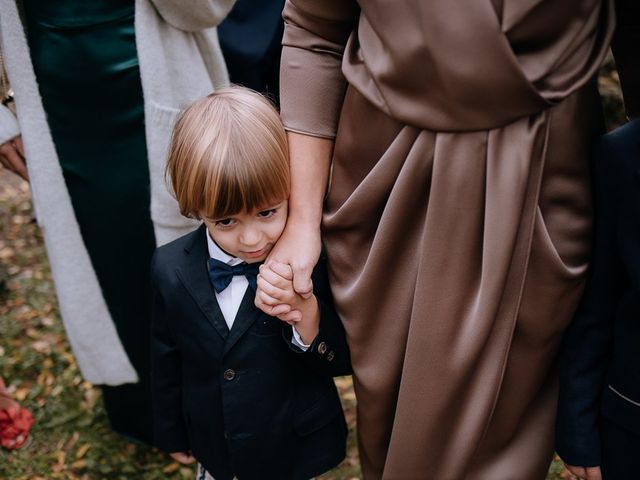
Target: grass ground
[(71, 438)]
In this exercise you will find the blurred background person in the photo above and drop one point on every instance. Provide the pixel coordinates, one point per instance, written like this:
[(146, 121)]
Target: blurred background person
[(251, 40), (97, 88)]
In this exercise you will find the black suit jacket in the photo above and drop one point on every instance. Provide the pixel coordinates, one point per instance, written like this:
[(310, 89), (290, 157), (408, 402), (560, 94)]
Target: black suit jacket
[(600, 360), (245, 402)]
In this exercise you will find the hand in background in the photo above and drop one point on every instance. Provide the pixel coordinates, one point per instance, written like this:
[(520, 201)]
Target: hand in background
[(183, 457), (585, 473), (12, 157)]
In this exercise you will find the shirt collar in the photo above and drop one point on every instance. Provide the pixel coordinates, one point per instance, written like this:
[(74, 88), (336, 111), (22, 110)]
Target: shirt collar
[(216, 252)]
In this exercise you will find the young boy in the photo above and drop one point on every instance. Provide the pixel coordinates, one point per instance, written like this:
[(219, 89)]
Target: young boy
[(243, 393)]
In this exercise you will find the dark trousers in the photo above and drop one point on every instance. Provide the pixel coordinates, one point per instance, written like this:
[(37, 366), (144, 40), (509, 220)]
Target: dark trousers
[(620, 452)]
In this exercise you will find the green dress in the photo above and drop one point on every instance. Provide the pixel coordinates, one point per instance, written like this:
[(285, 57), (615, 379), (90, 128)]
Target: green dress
[(85, 60)]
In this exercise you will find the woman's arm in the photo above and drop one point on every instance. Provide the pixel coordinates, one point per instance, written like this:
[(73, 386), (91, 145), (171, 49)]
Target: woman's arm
[(311, 91), (299, 245)]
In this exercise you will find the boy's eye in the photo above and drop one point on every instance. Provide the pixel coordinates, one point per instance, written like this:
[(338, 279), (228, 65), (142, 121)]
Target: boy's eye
[(267, 213), (225, 222)]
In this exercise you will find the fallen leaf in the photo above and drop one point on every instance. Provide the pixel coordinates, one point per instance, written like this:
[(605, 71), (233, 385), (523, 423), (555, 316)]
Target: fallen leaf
[(82, 450), (172, 467)]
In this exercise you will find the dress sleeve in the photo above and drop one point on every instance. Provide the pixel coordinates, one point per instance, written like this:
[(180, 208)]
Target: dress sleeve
[(312, 85), (193, 15)]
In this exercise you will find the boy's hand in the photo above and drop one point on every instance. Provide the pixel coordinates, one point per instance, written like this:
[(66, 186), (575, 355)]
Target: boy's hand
[(275, 285), (183, 457), (275, 288)]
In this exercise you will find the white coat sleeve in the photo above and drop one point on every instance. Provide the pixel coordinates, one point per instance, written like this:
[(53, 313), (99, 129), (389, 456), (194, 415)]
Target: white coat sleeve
[(193, 15), (9, 127)]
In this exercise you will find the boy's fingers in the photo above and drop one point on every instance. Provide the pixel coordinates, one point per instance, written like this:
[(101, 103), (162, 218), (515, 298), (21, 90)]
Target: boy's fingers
[(273, 278), (281, 309), (268, 299), (281, 269), (278, 294), (291, 317), (273, 310)]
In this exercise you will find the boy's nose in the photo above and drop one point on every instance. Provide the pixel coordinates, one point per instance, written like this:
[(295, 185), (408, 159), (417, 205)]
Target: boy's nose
[(250, 236)]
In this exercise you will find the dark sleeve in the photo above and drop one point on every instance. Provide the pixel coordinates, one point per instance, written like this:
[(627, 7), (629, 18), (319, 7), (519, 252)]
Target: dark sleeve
[(312, 85), (169, 428), (626, 50), (586, 350), (328, 354)]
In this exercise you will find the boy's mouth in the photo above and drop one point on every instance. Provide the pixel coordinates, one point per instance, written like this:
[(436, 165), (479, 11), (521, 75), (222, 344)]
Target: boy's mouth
[(256, 253)]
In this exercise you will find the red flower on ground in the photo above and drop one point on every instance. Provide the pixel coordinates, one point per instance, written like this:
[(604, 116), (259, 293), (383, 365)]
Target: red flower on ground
[(15, 421)]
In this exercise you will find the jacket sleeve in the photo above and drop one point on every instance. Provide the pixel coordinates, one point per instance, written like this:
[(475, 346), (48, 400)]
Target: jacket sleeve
[(193, 15), (586, 350), (625, 50), (169, 428), (312, 85), (8, 125), (328, 354)]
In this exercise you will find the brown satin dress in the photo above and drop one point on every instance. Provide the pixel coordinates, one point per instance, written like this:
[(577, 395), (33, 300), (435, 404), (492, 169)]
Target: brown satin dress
[(458, 220)]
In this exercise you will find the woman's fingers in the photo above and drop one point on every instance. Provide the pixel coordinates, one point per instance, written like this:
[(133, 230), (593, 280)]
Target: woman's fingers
[(302, 283)]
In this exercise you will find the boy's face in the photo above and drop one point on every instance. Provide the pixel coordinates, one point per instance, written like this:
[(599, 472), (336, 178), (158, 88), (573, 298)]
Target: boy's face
[(250, 236)]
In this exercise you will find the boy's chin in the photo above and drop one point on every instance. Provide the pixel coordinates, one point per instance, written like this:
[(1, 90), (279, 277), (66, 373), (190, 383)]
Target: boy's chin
[(255, 260)]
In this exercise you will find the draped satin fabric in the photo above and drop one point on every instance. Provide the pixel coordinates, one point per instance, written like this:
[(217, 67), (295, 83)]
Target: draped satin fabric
[(458, 219)]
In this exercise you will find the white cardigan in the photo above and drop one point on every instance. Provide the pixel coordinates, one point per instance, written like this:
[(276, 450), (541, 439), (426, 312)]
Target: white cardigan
[(180, 60)]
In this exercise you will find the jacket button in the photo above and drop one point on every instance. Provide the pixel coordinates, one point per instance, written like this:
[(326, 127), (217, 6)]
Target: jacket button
[(330, 355), (229, 374), (322, 347)]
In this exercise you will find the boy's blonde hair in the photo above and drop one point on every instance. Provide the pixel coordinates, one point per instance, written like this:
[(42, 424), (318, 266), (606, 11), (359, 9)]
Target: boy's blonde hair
[(228, 155)]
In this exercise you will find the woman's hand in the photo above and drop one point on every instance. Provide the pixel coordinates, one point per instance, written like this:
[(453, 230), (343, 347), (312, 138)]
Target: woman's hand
[(12, 157), (299, 247)]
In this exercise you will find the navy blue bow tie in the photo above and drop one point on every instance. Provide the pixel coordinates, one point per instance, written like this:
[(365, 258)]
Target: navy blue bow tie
[(221, 273)]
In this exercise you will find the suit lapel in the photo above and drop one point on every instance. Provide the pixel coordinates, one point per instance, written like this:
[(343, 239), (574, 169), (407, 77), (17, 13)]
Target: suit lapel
[(195, 277), (247, 314)]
